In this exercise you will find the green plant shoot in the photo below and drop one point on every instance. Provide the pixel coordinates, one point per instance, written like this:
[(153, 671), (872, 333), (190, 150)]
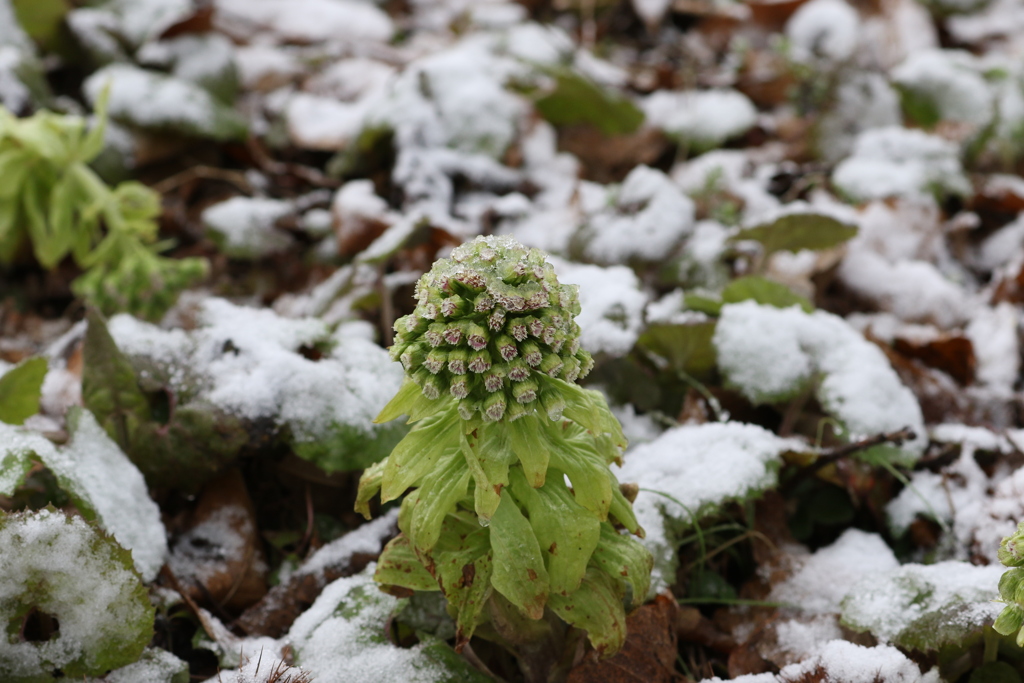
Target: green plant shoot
[(513, 498), (54, 201)]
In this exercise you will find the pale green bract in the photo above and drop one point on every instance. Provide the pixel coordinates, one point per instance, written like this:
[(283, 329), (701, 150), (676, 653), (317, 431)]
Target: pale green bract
[(513, 501)]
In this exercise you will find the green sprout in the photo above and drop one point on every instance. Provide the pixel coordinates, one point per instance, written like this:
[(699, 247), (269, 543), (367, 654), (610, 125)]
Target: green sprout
[(513, 502), (52, 199)]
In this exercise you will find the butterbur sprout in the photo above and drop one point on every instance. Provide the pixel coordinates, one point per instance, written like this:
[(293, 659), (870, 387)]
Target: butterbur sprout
[(492, 393)]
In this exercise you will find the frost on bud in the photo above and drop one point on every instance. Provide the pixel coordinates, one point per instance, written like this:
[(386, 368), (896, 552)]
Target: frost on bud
[(1011, 550)]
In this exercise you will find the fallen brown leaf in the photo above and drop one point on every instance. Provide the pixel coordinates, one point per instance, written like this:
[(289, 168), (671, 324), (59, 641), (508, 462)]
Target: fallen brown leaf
[(648, 655)]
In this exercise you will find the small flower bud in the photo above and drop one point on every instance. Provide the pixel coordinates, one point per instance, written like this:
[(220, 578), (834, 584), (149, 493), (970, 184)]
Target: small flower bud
[(506, 347), (525, 391), (459, 387), (457, 359), (517, 370), (467, 408), (516, 410), (452, 334), (435, 361), (480, 361), (483, 303), (435, 334), (531, 353), (494, 406), (397, 349), (476, 336), (494, 379), (453, 306), (431, 385), (413, 357), (586, 362), (551, 364), (571, 371), (497, 319), (1011, 550), (430, 310), (518, 330)]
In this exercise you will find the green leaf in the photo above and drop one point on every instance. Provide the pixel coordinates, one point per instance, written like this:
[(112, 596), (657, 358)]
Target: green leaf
[(577, 100), (344, 447), (531, 447), (410, 401), (519, 572), (42, 20), (18, 449), (567, 532), (798, 231), (621, 556), (20, 388), (110, 389), (687, 348), (591, 479), (64, 567), (995, 672), (440, 492), (597, 609), (463, 564), (399, 566), (488, 456), (369, 486), (763, 291), (416, 455)]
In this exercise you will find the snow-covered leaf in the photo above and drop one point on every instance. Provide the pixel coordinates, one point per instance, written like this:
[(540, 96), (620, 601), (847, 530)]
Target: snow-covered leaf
[(63, 567), (925, 607)]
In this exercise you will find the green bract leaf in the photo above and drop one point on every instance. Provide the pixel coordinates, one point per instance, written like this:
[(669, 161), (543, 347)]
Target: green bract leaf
[(597, 609), (20, 388), (63, 567), (798, 231), (369, 486), (416, 455), (586, 469), (567, 532), (519, 572), (440, 491), (463, 564), (488, 457), (531, 447), (618, 555), (399, 566)]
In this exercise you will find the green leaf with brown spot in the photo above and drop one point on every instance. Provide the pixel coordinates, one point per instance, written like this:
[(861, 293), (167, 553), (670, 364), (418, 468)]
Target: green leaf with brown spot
[(417, 454), (399, 566), (463, 564), (567, 532), (622, 557), (440, 492), (519, 572), (597, 609)]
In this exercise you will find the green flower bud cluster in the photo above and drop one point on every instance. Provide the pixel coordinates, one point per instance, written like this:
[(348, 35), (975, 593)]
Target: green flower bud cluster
[(1011, 586), (513, 512), (491, 323)]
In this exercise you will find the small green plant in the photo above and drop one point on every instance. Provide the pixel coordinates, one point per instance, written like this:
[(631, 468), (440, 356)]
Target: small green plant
[(515, 513), (52, 199), (1011, 586)]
